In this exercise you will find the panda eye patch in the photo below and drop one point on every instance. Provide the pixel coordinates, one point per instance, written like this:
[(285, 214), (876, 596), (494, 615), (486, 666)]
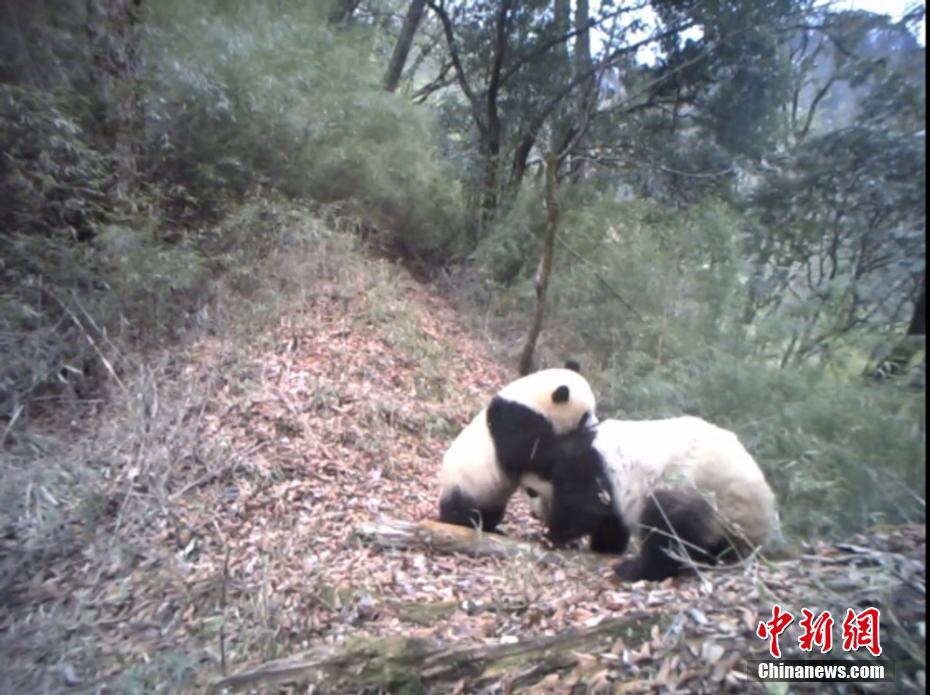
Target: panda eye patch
[(584, 419), (560, 395), (531, 493)]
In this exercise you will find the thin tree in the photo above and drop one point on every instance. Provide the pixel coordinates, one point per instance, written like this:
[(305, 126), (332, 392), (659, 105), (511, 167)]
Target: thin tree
[(583, 65), (553, 160), (525, 365)]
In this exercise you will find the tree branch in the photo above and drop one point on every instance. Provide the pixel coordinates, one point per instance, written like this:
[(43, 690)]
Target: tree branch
[(815, 102), (540, 119), (494, 79), (610, 288), (441, 80), (551, 43), (525, 365), (449, 33)]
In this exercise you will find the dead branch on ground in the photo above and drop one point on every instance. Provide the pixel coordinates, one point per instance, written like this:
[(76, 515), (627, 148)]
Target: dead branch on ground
[(448, 538), (396, 661)]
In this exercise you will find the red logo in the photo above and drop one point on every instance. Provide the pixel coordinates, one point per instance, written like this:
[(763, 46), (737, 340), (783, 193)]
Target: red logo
[(817, 632), (771, 629), (861, 630)]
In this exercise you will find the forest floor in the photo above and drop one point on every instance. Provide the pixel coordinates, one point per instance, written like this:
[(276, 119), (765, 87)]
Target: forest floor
[(206, 520)]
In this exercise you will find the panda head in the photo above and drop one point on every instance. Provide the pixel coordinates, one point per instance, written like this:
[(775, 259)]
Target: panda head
[(562, 396), (539, 493), (528, 415)]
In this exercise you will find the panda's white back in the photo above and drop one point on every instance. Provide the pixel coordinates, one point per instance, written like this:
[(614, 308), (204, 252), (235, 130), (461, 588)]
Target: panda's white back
[(685, 451), (636, 454)]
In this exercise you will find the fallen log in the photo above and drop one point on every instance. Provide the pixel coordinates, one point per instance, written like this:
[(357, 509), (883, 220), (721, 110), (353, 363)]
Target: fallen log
[(448, 538), (396, 662)]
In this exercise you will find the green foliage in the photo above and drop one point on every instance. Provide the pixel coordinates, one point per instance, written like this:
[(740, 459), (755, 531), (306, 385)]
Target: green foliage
[(54, 185), (511, 248), (246, 95), (53, 180), (873, 70), (665, 278), (842, 455), (846, 221), (716, 255), (244, 102), (734, 75)]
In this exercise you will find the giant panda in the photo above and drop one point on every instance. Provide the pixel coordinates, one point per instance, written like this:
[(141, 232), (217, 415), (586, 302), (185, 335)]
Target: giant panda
[(684, 484), (482, 467)]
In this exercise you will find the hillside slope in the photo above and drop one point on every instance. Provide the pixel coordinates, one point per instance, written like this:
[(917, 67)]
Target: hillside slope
[(207, 518)]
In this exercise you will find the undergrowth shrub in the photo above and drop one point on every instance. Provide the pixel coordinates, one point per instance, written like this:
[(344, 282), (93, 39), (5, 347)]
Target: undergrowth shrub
[(69, 312), (510, 251), (632, 280), (53, 178), (841, 455), (248, 95), (53, 199)]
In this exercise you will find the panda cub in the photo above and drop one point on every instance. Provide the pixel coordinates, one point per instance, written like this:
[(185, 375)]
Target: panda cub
[(683, 484), (482, 467)]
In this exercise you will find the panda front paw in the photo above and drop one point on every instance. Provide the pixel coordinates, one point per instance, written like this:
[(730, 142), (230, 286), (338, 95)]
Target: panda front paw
[(646, 567), (630, 570)]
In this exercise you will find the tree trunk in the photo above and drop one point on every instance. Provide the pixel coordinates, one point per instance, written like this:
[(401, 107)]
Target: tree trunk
[(545, 267), (561, 71), (489, 195), (587, 91), (404, 41), (521, 155), (759, 266), (918, 325), (113, 33)]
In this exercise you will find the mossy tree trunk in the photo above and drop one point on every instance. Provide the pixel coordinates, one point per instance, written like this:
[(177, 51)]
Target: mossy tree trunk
[(400, 663)]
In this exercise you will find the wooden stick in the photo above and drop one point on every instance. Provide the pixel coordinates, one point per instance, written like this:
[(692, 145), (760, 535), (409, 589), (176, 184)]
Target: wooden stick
[(448, 538)]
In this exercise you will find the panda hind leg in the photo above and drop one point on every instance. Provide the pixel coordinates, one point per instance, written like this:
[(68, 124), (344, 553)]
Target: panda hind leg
[(462, 509), (677, 523)]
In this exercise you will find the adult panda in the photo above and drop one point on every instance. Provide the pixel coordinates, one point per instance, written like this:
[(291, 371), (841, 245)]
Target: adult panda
[(685, 485), (482, 467)]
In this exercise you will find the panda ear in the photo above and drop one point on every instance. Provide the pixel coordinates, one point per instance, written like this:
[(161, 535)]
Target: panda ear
[(560, 395), (573, 365)]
